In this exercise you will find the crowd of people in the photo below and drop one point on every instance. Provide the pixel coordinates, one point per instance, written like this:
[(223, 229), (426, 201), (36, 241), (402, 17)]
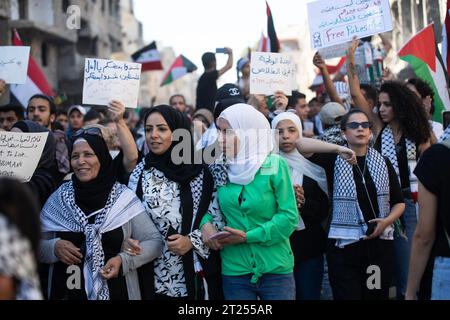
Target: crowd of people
[(243, 197)]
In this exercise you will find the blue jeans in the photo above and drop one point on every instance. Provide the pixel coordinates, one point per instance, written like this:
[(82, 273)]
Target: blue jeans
[(268, 287), (327, 293), (441, 279), (402, 247), (308, 278)]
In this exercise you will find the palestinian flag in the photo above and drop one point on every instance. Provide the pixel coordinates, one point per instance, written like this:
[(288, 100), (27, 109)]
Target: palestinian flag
[(36, 82), (148, 57), (179, 68), (422, 54), (274, 44)]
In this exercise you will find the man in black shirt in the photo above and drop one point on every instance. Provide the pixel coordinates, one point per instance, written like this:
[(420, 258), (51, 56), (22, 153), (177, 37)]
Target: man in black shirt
[(207, 84)]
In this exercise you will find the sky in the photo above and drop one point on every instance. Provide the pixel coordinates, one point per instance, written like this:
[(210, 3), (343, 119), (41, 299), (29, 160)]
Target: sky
[(193, 27)]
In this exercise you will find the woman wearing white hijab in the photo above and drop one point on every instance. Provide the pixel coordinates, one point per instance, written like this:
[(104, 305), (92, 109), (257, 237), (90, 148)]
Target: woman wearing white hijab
[(309, 241), (259, 206)]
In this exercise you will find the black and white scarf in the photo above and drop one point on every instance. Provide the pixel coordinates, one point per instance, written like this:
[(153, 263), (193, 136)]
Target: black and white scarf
[(445, 135), (61, 214), (17, 261), (347, 224), (388, 150)]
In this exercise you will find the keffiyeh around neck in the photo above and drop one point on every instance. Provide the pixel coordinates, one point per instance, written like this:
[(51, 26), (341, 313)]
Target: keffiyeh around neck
[(445, 135), (17, 261), (255, 142)]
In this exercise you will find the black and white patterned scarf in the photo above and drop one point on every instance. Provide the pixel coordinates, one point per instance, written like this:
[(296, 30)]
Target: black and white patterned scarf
[(17, 261), (348, 225), (445, 135), (333, 135), (61, 214), (388, 150)]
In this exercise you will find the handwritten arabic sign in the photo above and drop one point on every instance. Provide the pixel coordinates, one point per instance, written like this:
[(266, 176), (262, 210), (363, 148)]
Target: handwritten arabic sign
[(270, 72), (105, 80), (14, 64), (338, 21), (20, 153)]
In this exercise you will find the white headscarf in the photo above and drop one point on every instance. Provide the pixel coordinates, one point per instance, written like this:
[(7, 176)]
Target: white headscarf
[(255, 142), (299, 165)]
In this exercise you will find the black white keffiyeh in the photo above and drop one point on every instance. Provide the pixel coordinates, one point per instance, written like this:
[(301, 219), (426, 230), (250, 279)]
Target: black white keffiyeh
[(445, 135), (348, 225), (17, 261), (61, 214), (388, 150)]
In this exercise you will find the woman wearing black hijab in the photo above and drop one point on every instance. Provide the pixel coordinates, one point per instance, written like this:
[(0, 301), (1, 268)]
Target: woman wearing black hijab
[(88, 222), (179, 197), (44, 181)]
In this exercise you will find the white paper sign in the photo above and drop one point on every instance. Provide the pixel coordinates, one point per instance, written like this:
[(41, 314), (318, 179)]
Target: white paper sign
[(336, 51), (20, 153), (270, 72), (14, 64), (338, 21), (106, 80)]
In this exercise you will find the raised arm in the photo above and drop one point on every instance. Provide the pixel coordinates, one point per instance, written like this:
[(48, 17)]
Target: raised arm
[(229, 64), (355, 89), (129, 148), (329, 85), (308, 147)]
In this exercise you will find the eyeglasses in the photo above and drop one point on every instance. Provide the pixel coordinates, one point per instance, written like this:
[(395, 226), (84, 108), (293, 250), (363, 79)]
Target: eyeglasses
[(356, 125), (89, 131)]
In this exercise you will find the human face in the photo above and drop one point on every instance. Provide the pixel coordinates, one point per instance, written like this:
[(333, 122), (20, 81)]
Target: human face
[(76, 120), (39, 111), (302, 109), (63, 120), (246, 71), (84, 161), (287, 135), (7, 120), (178, 103), (228, 140), (314, 108), (385, 108), (359, 136), (158, 134)]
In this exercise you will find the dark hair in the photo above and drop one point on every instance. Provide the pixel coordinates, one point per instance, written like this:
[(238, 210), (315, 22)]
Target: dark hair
[(60, 112), (408, 111), (371, 92), (18, 110), (313, 100), (20, 206), (347, 116), (92, 114), (207, 59), (424, 90), (295, 97), (175, 96), (46, 98)]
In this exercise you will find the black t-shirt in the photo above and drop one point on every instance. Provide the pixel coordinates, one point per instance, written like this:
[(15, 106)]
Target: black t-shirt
[(206, 90), (327, 161), (433, 171)]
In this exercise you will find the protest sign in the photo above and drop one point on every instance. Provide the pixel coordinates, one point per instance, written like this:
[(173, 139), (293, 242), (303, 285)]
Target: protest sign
[(106, 80), (14, 64), (20, 153), (336, 22), (270, 72)]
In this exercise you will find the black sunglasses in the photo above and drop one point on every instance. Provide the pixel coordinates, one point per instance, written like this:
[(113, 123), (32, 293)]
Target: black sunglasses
[(89, 131), (356, 125)]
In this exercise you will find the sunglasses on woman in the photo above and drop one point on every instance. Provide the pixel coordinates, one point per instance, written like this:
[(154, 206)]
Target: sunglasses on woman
[(89, 131), (356, 125)]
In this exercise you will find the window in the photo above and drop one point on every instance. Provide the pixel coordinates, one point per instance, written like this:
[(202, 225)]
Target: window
[(23, 9), (44, 54)]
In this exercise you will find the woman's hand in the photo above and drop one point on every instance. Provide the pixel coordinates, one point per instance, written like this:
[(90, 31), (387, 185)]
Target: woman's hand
[(2, 86), (111, 268), (116, 110), (131, 247), (179, 244), (382, 224), (299, 195), (351, 50), (347, 154), (208, 230), (280, 101), (67, 253), (236, 237), (318, 61)]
